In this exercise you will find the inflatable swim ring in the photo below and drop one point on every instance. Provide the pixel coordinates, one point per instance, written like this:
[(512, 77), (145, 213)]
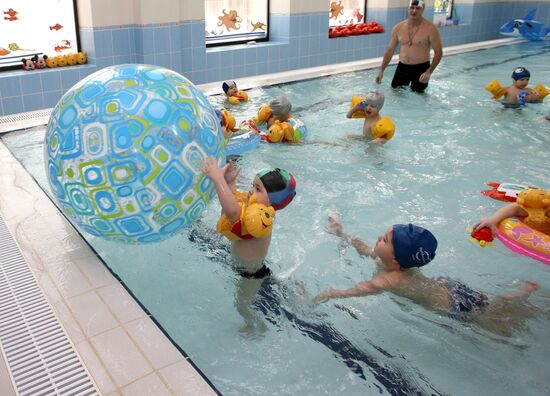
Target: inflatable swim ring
[(522, 239), (292, 131), (300, 130), (242, 143), (507, 192)]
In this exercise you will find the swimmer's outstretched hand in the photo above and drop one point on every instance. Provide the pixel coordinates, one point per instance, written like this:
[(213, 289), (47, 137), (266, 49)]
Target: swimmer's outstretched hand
[(324, 296), (211, 169), (335, 226), (486, 222)]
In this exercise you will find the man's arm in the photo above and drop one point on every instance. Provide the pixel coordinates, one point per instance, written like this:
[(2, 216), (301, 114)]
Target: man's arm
[(435, 41), (394, 40)]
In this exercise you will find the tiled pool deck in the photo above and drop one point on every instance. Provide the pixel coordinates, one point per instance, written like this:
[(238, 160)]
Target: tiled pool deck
[(122, 348)]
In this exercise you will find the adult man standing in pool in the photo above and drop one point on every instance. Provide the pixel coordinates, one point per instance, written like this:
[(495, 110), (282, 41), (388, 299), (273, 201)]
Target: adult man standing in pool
[(415, 36)]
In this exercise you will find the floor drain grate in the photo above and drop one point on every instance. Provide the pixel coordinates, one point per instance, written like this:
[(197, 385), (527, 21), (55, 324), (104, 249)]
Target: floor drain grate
[(40, 357), (15, 122)]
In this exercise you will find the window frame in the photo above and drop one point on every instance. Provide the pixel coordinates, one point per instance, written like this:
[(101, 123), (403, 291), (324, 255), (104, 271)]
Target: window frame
[(244, 41), (78, 48)]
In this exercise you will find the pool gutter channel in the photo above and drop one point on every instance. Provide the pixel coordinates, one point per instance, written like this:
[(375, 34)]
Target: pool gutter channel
[(55, 252), (39, 354)]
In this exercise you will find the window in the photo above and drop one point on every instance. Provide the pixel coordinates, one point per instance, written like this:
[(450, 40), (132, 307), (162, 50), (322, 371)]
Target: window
[(37, 27), (443, 10), (345, 12), (236, 21)]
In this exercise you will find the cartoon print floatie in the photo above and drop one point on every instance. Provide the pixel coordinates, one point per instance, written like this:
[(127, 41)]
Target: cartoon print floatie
[(520, 238), (529, 236), (293, 130), (507, 192)]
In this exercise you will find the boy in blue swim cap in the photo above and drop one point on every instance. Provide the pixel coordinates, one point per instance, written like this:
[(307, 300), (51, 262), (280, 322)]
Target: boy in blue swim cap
[(399, 254), (519, 93)]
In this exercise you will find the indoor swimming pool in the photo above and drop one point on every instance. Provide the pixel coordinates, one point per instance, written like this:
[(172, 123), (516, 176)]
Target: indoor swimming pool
[(448, 144)]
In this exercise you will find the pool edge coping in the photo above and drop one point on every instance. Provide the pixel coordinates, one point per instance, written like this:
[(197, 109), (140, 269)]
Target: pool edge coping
[(30, 232)]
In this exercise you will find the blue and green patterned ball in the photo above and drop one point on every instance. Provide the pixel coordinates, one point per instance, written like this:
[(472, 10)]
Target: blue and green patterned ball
[(124, 150)]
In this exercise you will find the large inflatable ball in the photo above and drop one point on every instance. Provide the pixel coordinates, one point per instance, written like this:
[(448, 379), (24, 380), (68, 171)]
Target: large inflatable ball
[(123, 153)]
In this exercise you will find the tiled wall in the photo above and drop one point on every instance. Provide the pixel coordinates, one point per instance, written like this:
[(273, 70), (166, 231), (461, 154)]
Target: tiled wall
[(296, 41)]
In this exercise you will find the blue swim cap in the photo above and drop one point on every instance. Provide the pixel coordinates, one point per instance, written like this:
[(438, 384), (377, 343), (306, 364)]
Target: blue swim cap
[(520, 72), (413, 246)]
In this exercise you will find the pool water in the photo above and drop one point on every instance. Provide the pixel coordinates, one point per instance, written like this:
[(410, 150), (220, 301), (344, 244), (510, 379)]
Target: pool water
[(448, 144)]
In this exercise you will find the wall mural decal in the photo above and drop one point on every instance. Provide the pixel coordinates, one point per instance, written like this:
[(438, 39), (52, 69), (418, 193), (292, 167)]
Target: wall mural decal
[(34, 28), (235, 21), (230, 20)]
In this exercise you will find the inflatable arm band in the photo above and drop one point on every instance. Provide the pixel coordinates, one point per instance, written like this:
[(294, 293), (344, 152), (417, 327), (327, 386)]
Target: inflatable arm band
[(496, 89), (256, 220), (358, 113), (542, 91), (240, 97), (384, 128)]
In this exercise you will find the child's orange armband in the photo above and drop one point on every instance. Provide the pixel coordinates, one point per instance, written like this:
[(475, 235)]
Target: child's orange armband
[(542, 91), (496, 89), (358, 113)]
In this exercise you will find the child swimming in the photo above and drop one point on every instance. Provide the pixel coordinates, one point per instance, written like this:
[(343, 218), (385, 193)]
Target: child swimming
[(519, 92), (406, 247)]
